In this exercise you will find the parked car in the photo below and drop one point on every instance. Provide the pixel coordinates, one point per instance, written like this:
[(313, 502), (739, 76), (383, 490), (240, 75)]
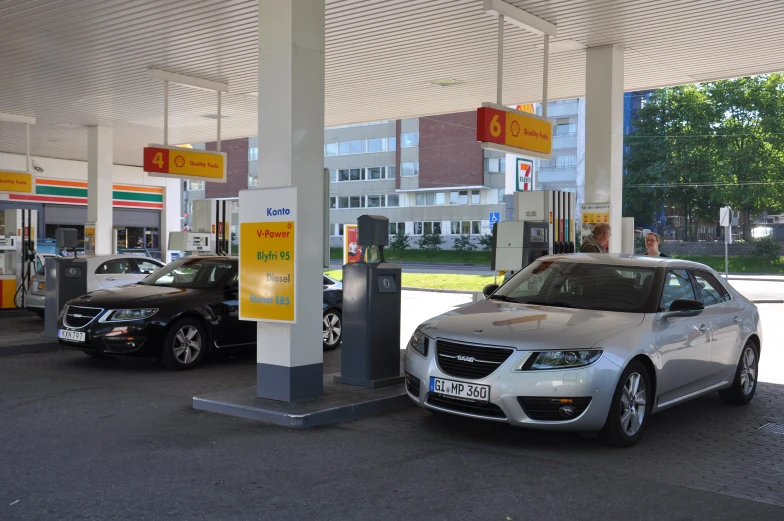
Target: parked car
[(103, 271), (589, 343), (179, 313)]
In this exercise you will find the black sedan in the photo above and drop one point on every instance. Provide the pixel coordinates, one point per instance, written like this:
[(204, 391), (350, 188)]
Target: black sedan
[(180, 313)]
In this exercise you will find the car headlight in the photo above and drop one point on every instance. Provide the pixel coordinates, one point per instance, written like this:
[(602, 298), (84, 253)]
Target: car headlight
[(560, 359), (418, 342), (131, 314)]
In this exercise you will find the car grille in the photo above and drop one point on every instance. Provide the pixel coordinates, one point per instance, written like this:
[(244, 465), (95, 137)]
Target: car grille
[(481, 409), (412, 384), (76, 316), (546, 409), (476, 361)]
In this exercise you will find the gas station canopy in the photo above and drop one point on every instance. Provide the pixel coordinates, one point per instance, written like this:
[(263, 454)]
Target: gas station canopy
[(73, 64)]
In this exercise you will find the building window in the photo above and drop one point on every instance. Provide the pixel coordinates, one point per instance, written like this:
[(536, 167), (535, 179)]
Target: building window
[(375, 145), (462, 197), (375, 201), (565, 161), (395, 228), (565, 129), (253, 154), (453, 198), (466, 227), (344, 148), (392, 144), (417, 228), (355, 174), (340, 230), (358, 146), (391, 172), (475, 197), (330, 149), (495, 165), (393, 200), (195, 185), (375, 173), (342, 202), (476, 227), (420, 199), (356, 201), (430, 198), (409, 169), (432, 227), (440, 198), (333, 202), (333, 176), (409, 139)]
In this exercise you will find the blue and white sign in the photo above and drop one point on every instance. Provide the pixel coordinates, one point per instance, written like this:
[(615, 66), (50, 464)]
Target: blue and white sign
[(495, 217)]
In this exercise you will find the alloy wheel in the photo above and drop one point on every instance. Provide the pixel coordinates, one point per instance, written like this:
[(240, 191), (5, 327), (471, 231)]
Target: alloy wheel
[(748, 370), (331, 329), (187, 344), (633, 404)]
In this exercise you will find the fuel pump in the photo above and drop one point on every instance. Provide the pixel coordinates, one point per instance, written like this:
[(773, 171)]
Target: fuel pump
[(543, 225), (217, 217), (18, 249)]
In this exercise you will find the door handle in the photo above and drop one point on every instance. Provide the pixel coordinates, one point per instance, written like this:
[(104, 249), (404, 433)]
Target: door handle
[(737, 319), (111, 278), (703, 328)]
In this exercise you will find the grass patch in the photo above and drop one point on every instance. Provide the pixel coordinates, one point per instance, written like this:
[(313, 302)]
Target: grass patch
[(737, 264), (441, 256), (436, 280)]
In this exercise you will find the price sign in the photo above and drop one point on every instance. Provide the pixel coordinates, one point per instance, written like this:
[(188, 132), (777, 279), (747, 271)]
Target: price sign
[(163, 161), (514, 131), (268, 226)]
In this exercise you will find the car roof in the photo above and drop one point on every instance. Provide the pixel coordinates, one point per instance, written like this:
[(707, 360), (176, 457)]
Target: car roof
[(99, 259), (625, 259)]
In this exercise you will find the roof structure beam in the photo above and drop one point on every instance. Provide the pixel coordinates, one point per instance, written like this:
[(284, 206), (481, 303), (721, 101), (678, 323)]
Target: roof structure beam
[(520, 18)]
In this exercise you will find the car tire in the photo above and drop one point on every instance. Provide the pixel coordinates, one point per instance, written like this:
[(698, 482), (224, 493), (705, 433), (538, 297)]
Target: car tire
[(744, 385), (630, 407), (332, 329), (185, 345)]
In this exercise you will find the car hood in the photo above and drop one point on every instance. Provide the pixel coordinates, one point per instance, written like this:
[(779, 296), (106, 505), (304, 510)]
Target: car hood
[(136, 295), (527, 326)]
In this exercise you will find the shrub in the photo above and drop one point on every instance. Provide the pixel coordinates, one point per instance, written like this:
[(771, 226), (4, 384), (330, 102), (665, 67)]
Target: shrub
[(767, 248), (463, 244), (486, 241), (431, 241), (400, 241)]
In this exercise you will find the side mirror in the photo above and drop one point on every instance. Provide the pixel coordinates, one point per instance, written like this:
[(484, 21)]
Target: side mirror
[(489, 289), (683, 308)]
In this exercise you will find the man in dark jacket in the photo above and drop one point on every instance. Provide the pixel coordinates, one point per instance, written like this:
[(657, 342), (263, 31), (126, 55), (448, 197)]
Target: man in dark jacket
[(599, 241)]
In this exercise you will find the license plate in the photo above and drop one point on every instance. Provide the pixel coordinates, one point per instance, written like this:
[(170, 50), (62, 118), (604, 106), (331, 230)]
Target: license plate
[(71, 336), (475, 392), (42, 286)]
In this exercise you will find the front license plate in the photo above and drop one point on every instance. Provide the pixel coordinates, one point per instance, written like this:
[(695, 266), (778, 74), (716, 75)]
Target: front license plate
[(475, 392), (71, 336), (42, 286)]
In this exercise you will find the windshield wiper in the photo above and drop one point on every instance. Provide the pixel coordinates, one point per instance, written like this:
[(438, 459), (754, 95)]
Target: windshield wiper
[(501, 297), (554, 303)]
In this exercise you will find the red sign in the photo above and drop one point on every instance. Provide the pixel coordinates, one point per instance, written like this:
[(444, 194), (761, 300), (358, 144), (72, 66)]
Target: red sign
[(511, 129), (352, 251)]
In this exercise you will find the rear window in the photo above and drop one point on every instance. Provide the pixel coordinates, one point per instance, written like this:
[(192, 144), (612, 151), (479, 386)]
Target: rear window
[(582, 285)]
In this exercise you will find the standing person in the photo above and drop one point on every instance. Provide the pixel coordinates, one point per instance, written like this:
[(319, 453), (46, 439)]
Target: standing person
[(652, 243), (599, 241)]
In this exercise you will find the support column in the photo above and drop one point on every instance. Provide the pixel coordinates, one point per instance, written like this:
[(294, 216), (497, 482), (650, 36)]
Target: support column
[(291, 153), (604, 133), (171, 219), (100, 165)]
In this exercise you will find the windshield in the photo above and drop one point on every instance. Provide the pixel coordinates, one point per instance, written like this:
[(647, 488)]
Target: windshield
[(193, 273), (581, 285)]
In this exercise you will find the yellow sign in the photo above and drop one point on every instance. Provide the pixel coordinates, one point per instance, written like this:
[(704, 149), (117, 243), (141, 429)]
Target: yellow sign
[(16, 182), (197, 164), (267, 277), (520, 131)]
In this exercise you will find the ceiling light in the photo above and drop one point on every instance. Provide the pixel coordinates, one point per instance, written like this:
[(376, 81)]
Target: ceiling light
[(446, 82), (557, 46)]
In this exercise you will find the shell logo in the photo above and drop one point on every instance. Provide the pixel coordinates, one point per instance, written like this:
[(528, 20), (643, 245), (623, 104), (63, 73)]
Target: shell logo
[(179, 161), (528, 107), (515, 128)]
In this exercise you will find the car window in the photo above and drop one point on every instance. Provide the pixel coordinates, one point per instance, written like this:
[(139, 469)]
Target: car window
[(711, 291), (327, 282), (582, 285), (193, 273), (677, 286), (115, 267), (145, 267)]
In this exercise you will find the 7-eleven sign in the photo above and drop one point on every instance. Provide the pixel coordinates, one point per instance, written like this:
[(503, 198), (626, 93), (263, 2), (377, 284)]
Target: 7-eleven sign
[(525, 175)]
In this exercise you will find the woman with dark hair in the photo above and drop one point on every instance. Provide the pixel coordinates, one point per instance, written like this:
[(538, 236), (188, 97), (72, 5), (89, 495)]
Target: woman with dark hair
[(652, 242)]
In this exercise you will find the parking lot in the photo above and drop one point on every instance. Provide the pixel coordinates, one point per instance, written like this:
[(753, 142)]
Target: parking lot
[(118, 439)]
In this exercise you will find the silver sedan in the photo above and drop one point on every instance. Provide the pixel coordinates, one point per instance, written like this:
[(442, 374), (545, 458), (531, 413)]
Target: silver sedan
[(589, 343)]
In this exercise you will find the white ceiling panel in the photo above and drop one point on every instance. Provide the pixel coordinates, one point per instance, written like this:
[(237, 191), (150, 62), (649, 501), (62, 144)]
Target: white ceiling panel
[(73, 63)]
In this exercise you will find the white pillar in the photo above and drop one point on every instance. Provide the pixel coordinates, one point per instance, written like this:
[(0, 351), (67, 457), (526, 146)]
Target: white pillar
[(171, 220), (100, 168), (604, 133), (291, 153)]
